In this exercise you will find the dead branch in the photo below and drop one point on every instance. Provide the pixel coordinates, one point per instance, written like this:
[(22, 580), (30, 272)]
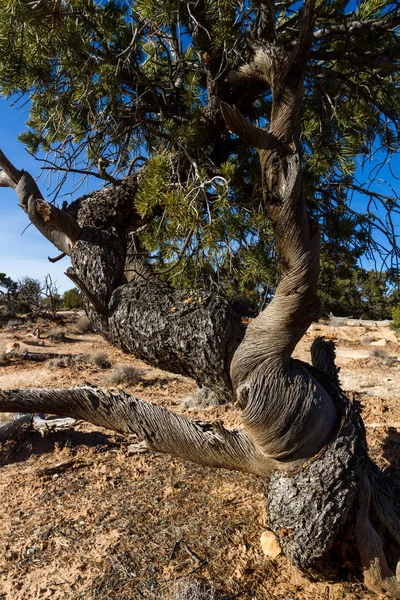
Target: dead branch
[(56, 225), (203, 443)]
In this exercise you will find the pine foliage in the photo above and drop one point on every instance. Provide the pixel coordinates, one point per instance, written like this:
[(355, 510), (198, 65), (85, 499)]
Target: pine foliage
[(139, 85)]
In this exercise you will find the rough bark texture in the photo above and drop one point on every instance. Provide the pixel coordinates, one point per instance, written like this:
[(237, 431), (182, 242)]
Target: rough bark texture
[(192, 333), (163, 431), (308, 508)]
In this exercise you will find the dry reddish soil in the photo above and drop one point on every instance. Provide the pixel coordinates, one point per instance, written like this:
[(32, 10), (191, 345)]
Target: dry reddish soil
[(82, 517)]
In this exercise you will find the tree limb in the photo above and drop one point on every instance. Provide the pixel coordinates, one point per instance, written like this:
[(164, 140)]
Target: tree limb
[(363, 60), (206, 444), (57, 226), (287, 411), (357, 27), (240, 126)]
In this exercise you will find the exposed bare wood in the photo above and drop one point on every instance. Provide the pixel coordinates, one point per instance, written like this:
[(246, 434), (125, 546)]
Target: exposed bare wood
[(59, 219), (10, 175), (164, 431), (57, 226), (13, 429)]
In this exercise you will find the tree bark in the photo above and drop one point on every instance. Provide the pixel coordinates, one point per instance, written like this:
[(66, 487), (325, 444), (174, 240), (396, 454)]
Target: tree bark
[(207, 444)]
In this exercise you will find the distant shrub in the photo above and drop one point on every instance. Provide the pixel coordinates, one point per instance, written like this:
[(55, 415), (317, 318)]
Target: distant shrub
[(14, 323), (3, 356), (72, 299), (391, 361), (71, 361), (82, 325), (395, 325), (379, 353), (124, 375), (101, 360), (56, 335)]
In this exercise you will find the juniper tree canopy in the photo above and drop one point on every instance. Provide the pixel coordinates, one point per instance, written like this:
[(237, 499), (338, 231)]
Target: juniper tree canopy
[(119, 87)]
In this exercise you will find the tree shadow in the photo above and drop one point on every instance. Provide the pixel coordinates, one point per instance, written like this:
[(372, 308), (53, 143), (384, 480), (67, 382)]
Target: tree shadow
[(391, 449), (32, 443)]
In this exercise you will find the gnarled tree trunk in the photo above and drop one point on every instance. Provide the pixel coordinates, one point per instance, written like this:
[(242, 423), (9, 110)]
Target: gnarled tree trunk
[(299, 429)]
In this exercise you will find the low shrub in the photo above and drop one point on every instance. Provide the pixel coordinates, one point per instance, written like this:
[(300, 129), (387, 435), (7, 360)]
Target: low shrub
[(56, 335), (101, 360), (124, 375), (379, 353), (3, 357), (14, 323), (82, 325), (201, 398), (73, 360)]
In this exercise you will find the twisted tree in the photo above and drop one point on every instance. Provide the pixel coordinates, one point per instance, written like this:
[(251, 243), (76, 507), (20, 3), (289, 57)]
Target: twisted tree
[(179, 214)]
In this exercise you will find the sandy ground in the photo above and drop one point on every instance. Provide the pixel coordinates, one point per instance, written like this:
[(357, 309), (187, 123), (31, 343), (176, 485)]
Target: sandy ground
[(111, 525)]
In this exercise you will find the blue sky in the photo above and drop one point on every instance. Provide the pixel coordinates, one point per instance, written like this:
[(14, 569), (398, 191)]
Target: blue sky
[(23, 252)]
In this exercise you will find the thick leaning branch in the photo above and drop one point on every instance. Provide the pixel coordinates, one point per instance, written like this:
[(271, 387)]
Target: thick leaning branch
[(207, 444), (287, 412), (59, 227), (357, 27)]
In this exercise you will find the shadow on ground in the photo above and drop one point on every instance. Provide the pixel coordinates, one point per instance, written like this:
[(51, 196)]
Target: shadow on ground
[(32, 443)]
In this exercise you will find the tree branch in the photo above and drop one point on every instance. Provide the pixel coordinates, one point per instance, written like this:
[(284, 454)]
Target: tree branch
[(363, 60), (240, 126), (206, 444), (286, 421), (357, 27), (57, 226)]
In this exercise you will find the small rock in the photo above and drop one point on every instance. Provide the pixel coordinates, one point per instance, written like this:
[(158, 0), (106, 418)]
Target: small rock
[(139, 448), (381, 342), (13, 349), (269, 544), (30, 551)]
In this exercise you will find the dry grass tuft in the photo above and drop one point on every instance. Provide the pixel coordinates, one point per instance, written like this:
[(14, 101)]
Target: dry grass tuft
[(101, 360), (81, 326), (124, 375), (193, 590), (201, 398)]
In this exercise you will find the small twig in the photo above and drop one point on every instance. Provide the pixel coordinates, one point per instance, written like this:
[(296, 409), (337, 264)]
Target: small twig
[(192, 554), (57, 258), (201, 566), (61, 468)]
